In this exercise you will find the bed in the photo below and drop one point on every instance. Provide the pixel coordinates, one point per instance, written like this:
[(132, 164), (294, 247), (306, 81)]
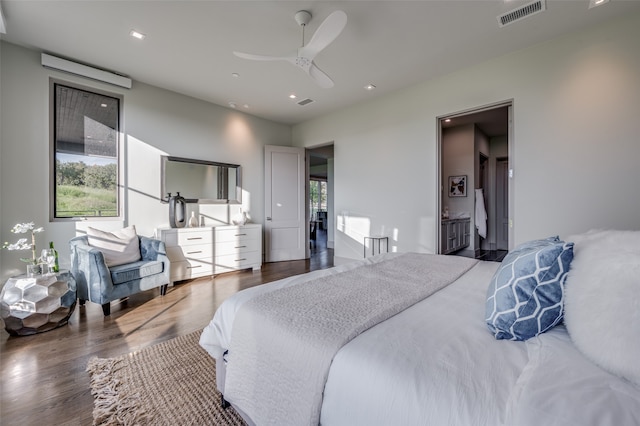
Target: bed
[(436, 361)]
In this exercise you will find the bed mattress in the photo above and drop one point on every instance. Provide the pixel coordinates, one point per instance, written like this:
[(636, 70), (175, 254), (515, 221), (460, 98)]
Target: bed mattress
[(436, 363)]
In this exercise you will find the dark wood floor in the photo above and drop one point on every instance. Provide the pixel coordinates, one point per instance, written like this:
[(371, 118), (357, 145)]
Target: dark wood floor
[(43, 376)]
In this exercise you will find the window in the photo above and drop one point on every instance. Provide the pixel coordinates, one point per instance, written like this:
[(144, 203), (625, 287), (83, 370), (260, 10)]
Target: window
[(85, 140), (317, 198)]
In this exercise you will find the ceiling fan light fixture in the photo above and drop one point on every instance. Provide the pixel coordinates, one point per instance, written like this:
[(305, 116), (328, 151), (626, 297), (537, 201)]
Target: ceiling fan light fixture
[(302, 17)]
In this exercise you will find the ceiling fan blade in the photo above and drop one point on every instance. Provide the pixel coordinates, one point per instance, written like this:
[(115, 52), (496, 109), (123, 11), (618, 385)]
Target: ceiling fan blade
[(262, 57), (320, 77), (325, 34)]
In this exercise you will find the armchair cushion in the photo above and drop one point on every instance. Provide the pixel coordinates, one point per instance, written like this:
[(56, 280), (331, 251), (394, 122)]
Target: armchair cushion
[(118, 247), (134, 271)]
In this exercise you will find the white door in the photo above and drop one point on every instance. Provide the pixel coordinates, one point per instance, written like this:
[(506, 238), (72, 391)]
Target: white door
[(284, 198)]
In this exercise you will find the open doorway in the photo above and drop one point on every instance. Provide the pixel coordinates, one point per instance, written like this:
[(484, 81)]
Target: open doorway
[(320, 202), (474, 148)]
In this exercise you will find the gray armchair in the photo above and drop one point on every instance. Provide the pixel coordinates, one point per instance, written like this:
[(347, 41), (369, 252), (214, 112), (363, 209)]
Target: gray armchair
[(101, 284)]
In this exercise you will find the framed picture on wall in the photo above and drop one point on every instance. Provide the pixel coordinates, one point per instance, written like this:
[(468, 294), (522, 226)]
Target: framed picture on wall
[(458, 186)]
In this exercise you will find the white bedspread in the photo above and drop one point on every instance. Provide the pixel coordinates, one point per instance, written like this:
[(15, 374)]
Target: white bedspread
[(283, 342), (436, 364)]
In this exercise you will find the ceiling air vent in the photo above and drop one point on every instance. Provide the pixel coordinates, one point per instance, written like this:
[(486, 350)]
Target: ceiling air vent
[(522, 12), (305, 102)]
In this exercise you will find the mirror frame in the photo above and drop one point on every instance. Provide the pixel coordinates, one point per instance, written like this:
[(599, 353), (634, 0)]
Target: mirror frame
[(166, 158)]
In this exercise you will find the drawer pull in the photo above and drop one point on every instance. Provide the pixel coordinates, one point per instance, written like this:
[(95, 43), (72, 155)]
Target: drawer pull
[(194, 238), (194, 252), (193, 267), (240, 260), (239, 235), (240, 246)]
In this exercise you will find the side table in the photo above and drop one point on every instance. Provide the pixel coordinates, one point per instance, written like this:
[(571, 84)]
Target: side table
[(375, 239), (30, 305)]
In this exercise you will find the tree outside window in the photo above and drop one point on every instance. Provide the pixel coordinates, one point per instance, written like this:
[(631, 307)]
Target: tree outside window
[(317, 197), (86, 132)]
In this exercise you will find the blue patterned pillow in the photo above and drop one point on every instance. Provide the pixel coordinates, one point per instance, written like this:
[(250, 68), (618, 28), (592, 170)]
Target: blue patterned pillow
[(526, 295)]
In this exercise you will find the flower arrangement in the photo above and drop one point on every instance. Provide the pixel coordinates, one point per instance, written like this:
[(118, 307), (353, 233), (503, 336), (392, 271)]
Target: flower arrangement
[(22, 243)]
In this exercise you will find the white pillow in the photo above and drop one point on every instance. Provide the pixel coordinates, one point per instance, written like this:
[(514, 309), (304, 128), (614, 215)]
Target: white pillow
[(118, 247), (602, 300)]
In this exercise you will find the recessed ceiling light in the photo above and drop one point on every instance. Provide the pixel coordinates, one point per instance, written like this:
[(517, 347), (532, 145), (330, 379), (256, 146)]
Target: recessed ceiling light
[(235, 75), (137, 34), (103, 105), (232, 104), (594, 3), (245, 106), (448, 120), (370, 87), (293, 96)]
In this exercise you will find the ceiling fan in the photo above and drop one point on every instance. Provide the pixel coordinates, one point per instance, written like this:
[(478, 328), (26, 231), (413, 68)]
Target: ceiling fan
[(303, 57)]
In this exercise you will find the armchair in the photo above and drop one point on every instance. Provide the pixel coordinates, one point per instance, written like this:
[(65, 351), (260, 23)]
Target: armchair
[(101, 284)]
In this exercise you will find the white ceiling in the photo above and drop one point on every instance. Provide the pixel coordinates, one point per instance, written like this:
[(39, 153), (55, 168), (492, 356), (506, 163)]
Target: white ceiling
[(189, 44)]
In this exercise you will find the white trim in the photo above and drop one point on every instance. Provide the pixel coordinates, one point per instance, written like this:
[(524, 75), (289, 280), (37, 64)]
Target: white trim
[(3, 23), (59, 64)]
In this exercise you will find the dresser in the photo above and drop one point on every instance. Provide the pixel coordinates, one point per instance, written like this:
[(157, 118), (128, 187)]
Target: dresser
[(209, 250), (455, 235)]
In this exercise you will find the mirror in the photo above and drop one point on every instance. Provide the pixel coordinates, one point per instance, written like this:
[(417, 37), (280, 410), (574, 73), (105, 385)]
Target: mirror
[(199, 181)]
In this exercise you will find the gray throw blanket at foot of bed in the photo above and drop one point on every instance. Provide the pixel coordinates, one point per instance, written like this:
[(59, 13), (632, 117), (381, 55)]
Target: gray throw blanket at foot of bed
[(283, 342)]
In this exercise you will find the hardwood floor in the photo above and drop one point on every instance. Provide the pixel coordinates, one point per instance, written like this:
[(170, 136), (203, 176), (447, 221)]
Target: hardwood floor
[(43, 375)]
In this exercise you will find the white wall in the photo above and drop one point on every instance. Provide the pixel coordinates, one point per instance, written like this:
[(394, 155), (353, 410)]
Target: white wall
[(458, 157), (576, 107), (156, 122)]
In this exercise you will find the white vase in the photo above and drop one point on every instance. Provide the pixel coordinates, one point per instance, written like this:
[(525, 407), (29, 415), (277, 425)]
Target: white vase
[(240, 218), (193, 222)]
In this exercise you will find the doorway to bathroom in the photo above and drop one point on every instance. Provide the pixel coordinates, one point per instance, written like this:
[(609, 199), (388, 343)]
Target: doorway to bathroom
[(475, 180)]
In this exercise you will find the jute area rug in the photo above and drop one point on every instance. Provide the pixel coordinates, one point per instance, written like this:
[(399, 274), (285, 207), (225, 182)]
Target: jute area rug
[(171, 383)]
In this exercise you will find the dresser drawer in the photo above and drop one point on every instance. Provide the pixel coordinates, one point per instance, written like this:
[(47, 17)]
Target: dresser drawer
[(232, 247), (188, 237), (199, 251), (187, 269), (237, 234), (233, 262)]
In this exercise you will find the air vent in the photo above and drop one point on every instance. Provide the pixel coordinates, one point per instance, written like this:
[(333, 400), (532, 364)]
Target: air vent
[(305, 102), (522, 12)]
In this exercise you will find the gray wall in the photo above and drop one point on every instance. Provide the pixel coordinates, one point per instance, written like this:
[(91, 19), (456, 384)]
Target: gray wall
[(156, 122), (576, 102), (576, 106)]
